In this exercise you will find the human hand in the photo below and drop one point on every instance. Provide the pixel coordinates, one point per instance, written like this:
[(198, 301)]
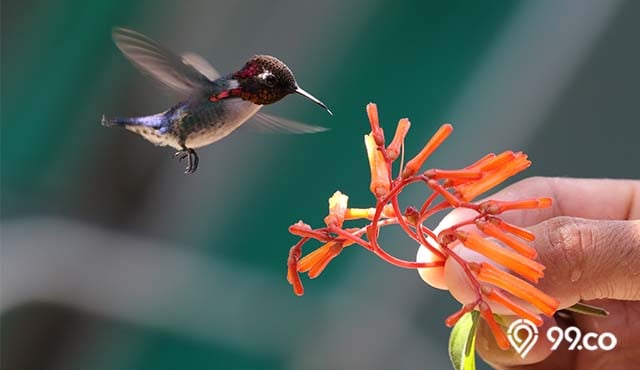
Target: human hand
[(589, 241)]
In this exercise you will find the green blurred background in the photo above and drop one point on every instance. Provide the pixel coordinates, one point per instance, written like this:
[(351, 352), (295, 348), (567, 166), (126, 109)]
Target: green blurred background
[(113, 259)]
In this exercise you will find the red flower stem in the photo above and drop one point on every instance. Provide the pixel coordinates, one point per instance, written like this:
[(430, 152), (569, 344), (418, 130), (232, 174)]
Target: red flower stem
[(463, 223), (448, 252), (426, 230), (387, 161), (411, 233), (292, 266), (385, 222), (427, 203), (437, 208), (450, 198), (465, 267), (406, 264), (456, 316), (350, 237), (316, 234), (397, 186), (422, 240), (472, 279), (296, 250), (382, 254)]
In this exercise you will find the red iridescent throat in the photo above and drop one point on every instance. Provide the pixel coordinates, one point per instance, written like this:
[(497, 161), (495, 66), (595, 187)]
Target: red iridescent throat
[(248, 71), (237, 92)]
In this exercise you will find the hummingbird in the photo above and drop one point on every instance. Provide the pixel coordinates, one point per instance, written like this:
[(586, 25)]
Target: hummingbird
[(213, 106)]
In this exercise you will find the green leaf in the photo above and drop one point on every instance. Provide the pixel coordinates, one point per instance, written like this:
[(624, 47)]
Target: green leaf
[(587, 309), (462, 342)]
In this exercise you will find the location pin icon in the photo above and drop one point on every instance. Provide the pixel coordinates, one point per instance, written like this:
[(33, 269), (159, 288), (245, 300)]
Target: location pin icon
[(523, 335)]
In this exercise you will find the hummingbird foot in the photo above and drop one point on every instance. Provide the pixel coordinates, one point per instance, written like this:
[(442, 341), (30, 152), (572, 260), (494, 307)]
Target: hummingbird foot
[(192, 159)]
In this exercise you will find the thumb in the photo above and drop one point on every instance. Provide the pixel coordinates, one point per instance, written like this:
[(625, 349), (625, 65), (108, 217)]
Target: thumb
[(589, 259)]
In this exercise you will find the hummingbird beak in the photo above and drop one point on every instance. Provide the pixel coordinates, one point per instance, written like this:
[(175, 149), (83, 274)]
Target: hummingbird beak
[(300, 91)]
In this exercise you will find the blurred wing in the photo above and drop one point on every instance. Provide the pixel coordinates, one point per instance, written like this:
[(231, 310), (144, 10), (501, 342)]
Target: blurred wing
[(172, 70), (201, 65), (267, 123)]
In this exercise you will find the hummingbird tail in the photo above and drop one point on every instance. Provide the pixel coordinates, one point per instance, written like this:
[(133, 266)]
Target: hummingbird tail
[(156, 121), (111, 122), (107, 122)]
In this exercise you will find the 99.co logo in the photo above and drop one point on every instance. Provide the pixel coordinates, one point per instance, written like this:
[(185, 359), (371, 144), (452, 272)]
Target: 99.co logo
[(589, 341), (523, 335)]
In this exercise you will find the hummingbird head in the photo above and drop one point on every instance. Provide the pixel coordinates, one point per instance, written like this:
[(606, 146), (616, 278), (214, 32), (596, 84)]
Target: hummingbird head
[(265, 80)]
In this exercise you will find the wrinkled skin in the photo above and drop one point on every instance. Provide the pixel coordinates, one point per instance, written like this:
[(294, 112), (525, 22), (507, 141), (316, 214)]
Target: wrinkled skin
[(589, 242)]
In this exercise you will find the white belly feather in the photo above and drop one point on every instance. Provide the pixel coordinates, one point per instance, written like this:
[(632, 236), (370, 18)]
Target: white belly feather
[(235, 113), (239, 111)]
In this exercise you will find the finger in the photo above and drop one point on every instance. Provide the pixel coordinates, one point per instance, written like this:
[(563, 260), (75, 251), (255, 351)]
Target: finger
[(511, 360), (587, 198), (589, 259), (584, 260), (622, 323), (599, 199)]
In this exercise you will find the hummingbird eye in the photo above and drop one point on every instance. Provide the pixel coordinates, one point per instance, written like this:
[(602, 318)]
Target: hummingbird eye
[(268, 78)]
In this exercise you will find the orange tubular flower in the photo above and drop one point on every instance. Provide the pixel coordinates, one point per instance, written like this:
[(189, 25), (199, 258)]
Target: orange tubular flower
[(376, 131), (492, 275), (464, 175), (496, 172), (512, 229), (498, 161), (452, 189), (337, 209), (497, 206), (494, 231), (401, 131), (380, 181), (314, 263), (478, 165), (292, 267), (368, 213), (487, 315), (440, 136), (496, 296), (529, 269)]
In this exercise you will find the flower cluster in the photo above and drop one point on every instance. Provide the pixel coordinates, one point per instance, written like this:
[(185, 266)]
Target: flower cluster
[(449, 189)]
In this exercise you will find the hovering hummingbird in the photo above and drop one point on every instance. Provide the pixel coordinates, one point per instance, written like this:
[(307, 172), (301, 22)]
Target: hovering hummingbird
[(213, 106)]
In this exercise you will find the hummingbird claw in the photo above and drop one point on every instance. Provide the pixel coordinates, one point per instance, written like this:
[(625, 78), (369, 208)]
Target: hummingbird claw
[(181, 155), (192, 159)]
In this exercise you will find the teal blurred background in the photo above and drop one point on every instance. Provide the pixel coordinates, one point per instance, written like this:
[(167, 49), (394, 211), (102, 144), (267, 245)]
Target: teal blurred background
[(113, 259)]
